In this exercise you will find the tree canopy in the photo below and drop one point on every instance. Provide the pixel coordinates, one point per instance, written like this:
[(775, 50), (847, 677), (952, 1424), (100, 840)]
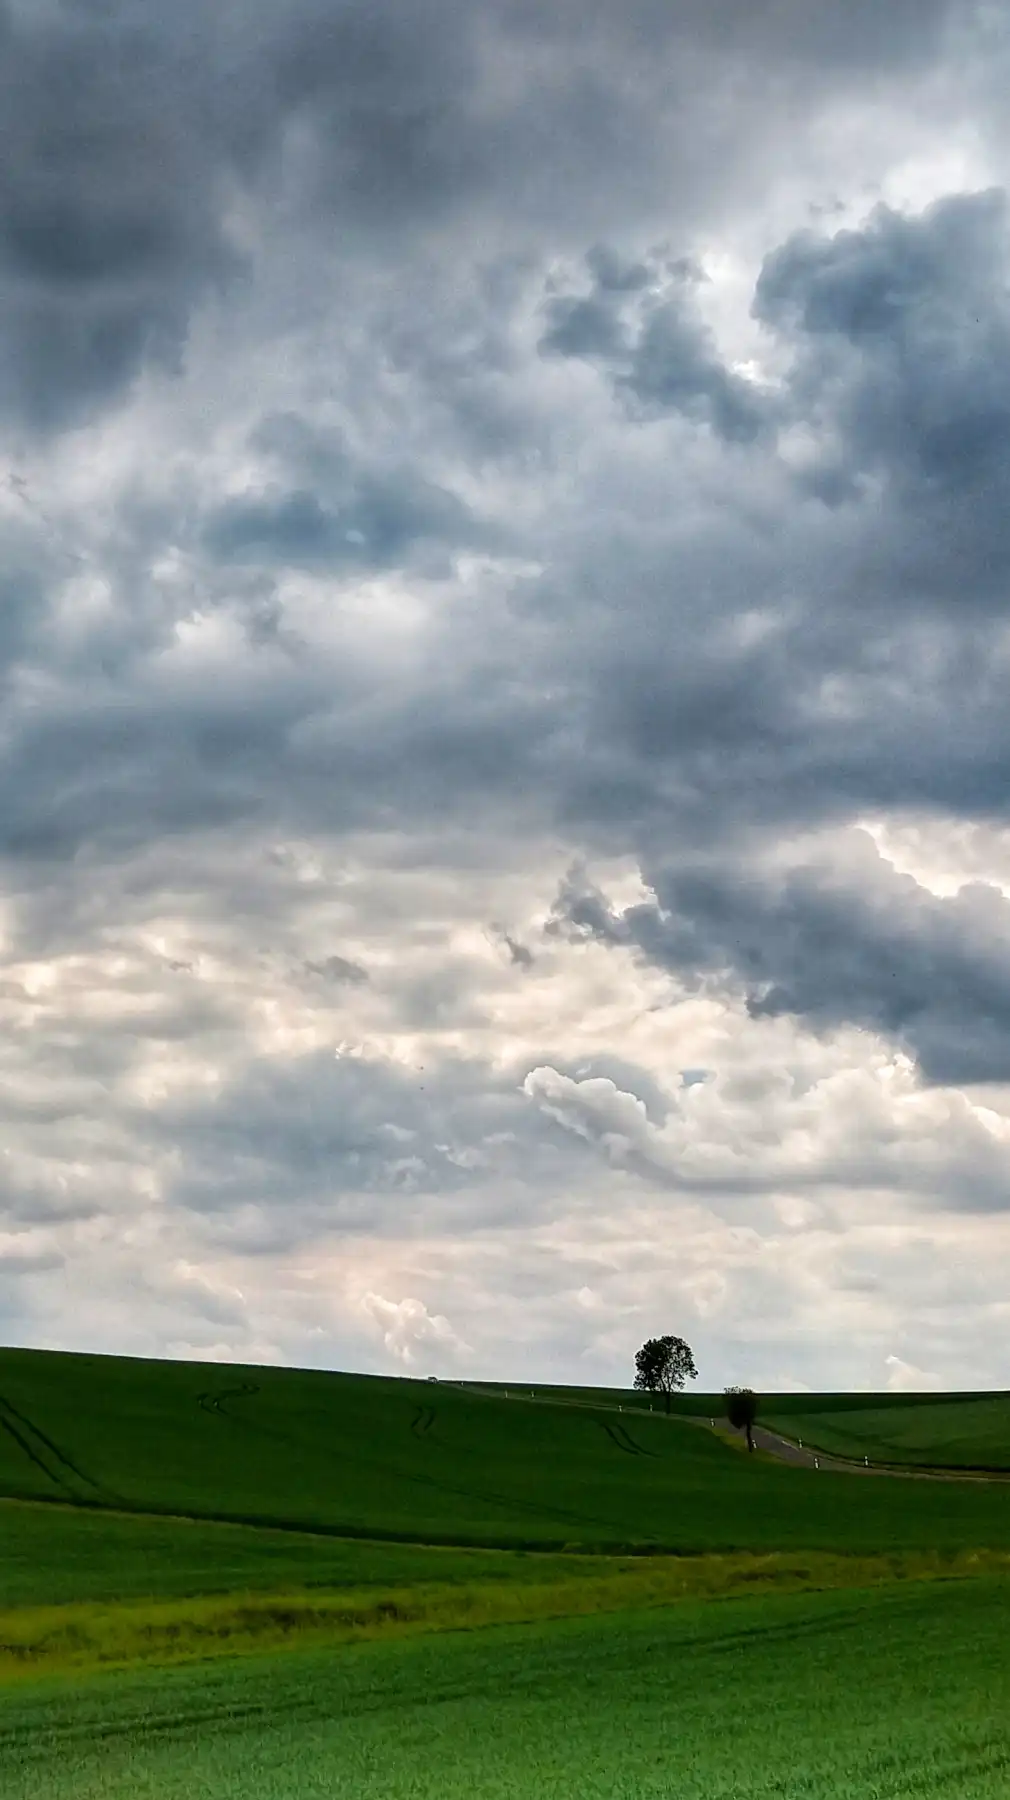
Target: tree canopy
[(741, 1410), (662, 1366)]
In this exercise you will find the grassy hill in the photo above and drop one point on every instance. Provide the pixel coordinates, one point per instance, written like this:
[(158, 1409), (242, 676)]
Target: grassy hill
[(382, 1458), (340, 1632), (941, 1432), (928, 1430)]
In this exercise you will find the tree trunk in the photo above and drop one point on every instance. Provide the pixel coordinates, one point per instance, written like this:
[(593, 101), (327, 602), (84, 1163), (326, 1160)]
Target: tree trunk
[(667, 1399)]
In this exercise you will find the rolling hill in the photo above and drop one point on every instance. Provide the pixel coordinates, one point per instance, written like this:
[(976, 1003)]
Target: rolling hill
[(387, 1458)]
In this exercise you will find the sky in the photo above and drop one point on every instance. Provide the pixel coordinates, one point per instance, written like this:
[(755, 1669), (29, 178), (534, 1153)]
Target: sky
[(505, 650)]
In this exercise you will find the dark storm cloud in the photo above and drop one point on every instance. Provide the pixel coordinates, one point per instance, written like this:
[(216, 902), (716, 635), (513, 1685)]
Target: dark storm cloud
[(662, 360), (130, 131), (631, 707), (901, 333), (110, 209), (593, 325), (117, 775), (360, 519), (632, 702), (874, 678), (903, 35), (868, 947)]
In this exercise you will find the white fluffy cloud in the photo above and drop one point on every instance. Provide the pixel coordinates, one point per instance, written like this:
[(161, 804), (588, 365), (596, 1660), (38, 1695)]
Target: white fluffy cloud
[(409, 1329)]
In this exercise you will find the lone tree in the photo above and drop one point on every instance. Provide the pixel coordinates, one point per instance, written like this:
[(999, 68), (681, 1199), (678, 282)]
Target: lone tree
[(662, 1365), (741, 1410)]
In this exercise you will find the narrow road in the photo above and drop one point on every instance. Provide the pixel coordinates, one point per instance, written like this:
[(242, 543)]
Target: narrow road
[(790, 1452)]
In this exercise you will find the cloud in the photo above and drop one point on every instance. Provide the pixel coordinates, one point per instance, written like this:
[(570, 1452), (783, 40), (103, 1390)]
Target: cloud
[(850, 943), (901, 332), (27, 1254), (140, 150), (520, 955), (292, 1147), (408, 1328), (663, 362), (338, 968), (446, 448), (595, 1108), (112, 224), (368, 519), (905, 1378), (793, 1148)]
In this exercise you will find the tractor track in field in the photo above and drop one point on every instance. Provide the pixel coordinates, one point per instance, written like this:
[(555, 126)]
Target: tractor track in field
[(423, 1420), (24, 1445), (214, 1403), (621, 1436), (23, 1430), (421, 1424)]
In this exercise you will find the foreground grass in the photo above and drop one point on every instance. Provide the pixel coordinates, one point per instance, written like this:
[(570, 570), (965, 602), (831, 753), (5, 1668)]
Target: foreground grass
[(900, 1690), (82, 1636), (374, 1458)]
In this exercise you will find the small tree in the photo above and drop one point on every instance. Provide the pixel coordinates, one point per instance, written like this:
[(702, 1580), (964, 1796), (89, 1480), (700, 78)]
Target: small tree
[(662, 1365), (741, 1410)]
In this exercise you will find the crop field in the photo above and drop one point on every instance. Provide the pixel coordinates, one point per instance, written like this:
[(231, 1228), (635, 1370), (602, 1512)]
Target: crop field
[(956, 1431), (54, 1555), (268, 1582), (409, 1461), (830, 1696), (973, 1433)]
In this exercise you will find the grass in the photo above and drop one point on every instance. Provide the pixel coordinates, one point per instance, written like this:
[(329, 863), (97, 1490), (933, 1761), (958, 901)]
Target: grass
[(697, 1404), (972, 1433), (79, 1636), (265, 1583), (948, 1431), (895, 1691), (58, 1555), (380, 1458)]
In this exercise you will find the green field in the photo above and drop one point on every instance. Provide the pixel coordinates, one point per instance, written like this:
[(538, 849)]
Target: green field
[(410, 1461), (842, 1696), (273, 1582), (945, 1431), (54, 1555), (969, 1433)]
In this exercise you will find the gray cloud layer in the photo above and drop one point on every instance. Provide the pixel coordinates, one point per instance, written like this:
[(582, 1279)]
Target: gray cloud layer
[(485, 428), (864, 945)]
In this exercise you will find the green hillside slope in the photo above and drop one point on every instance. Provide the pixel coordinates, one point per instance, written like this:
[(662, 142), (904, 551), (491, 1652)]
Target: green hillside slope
[(385, 1458), (936, 1432)]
